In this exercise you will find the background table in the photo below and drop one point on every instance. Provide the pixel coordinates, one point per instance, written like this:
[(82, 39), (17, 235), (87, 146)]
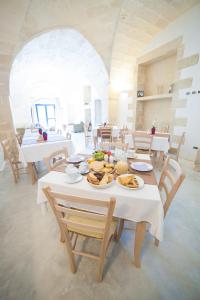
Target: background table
[(32, 151), (159, 143)]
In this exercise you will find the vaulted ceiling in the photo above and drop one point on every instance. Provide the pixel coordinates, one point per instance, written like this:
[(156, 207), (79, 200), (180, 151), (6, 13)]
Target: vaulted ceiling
[(118, 29)]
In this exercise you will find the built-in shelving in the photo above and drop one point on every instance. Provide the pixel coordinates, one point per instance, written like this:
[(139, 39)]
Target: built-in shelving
[(155, 97)]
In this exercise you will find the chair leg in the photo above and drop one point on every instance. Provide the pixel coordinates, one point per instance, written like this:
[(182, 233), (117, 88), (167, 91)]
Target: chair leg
[(121, 227), (101, 265), (70, 253), (156, 242)]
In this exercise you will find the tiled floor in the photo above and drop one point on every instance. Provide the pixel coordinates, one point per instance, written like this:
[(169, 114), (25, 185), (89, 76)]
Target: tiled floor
[(33, 263)]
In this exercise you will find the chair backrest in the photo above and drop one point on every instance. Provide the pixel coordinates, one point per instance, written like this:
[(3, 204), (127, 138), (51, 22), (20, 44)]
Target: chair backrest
[(19, 138), (106, 133), (142, 140), (170, 181), (123, 132), (66, 207), (113, 145), (56, 159)]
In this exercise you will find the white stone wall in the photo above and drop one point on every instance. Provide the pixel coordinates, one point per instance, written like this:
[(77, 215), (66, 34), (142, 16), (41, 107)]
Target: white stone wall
[(186, 26)]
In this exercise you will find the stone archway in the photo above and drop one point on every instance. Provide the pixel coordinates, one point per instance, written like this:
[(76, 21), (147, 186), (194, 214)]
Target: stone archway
[(59, 54)]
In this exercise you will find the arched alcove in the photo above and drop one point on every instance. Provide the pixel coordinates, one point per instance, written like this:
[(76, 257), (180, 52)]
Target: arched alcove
[(55, 68)]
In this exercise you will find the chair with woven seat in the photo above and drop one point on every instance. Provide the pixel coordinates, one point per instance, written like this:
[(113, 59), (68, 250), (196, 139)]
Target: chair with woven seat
[(175, 151), (170, 180), (142, 142), (56, 159), (74, 222), (11, 156)]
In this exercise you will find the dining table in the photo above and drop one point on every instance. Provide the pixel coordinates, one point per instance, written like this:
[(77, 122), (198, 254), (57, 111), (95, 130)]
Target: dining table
[(142, 206), (33, 150)]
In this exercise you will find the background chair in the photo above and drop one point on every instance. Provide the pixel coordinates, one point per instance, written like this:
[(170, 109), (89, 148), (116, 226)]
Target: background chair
[(56, 159), (12, 157), (75, 222), (142, 142), (171, 178), (175, 151), (106, 134)]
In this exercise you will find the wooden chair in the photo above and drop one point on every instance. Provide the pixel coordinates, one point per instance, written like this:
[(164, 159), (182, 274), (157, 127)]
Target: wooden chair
[(175, 151), (10, 155), (106, 134), (75, 222), (123, 132), (170, 180), (56, 159), (19, 138), (142, 142), (113, 145)]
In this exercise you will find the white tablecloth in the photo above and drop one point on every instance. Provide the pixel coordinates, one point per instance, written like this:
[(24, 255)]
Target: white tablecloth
[(115, 132), (158, 144), (33, 151), (134, 205)]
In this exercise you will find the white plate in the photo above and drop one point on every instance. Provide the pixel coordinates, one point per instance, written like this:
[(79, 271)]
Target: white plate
[(141, 166), (139, 180), (103, 186), (74, 159), (79, 178)]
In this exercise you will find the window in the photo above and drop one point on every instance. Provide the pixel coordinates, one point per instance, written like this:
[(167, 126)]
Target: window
[(46, 115)]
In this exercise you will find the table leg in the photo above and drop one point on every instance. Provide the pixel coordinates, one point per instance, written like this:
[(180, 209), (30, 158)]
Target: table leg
[(32, 171), (139, 238)]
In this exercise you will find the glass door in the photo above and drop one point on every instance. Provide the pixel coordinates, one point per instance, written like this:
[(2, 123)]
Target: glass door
[(46, 115)]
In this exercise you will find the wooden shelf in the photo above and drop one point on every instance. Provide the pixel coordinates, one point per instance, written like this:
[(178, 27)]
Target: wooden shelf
[(155, 97)]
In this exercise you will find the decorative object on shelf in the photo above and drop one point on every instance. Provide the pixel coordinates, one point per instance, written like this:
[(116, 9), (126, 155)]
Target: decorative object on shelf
[(140, 93), (40, 131), (45, 136), (170, 89)]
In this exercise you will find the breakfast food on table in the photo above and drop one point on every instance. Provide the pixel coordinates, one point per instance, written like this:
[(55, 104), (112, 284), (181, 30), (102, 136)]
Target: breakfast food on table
[(128, 181), (98, 155), (90, 160), (99, 178), (101, 166), (121, 167)]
